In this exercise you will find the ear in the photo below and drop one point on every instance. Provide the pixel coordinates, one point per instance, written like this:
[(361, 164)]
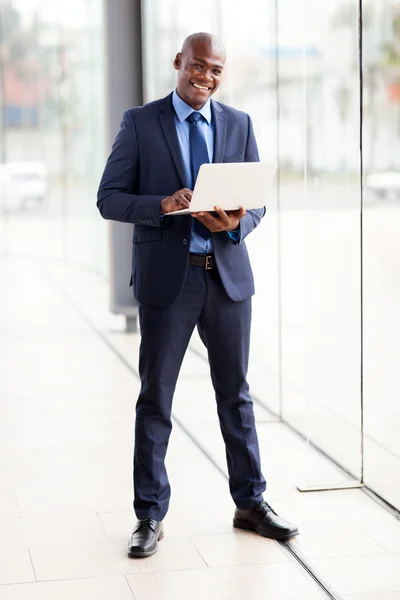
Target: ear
[(178, 61)]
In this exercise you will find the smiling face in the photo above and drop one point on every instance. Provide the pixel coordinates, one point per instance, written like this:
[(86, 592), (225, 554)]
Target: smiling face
[(199, 66)]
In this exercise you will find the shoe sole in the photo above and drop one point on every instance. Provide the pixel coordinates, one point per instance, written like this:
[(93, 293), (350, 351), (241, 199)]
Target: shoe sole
[(146, 554), (244, 525)]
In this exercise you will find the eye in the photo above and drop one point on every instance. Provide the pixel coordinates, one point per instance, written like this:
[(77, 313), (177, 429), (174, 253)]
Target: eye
[(216, 72)]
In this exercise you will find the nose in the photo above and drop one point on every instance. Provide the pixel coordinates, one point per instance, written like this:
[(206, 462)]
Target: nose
[(206, 76)]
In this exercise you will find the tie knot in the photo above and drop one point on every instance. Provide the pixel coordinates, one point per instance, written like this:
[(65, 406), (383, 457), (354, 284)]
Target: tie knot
[(194, 117)]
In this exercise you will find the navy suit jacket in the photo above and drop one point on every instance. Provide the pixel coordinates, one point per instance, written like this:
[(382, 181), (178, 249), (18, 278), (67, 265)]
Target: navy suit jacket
[(145, 166)]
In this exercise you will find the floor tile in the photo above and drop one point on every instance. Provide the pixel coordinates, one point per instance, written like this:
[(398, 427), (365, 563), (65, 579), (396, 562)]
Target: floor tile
[(338, 540), (361, 574), (330, 507), (8, 505), (104, 588), (239, 548), (106, 559), (24, 533), (68, 454), (392, 496), (394, 595), (117, 525), (385, 532), (195, 508), (194, 519), (187, 404), (200, 501), (15, 566), (60, 493), (277, 582)]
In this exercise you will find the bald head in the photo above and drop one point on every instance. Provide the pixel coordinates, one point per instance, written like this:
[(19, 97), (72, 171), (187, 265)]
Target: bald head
[(199, 64), (206, 38)]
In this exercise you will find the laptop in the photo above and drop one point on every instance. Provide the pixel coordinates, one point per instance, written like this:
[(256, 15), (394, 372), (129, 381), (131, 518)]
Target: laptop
[(230, 186)]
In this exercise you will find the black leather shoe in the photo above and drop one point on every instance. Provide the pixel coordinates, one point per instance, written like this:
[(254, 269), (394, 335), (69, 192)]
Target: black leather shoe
[(145, 538), (264, 520)]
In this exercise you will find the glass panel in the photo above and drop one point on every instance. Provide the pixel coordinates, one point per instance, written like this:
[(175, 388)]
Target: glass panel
[(302, 65), (32, 149), (249, 85), (53, 129), (166, 24), (320, 223), (381, 63)]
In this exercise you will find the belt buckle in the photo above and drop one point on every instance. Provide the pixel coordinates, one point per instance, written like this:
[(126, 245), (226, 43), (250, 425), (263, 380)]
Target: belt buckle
[(208, 266)]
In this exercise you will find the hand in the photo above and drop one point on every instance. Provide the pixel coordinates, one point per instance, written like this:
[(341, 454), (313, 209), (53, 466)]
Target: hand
[(225, 221), (181, 199)]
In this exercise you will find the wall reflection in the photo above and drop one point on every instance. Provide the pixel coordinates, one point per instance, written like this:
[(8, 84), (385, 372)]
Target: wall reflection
[(52, 129), (381, 62), (295, 69)]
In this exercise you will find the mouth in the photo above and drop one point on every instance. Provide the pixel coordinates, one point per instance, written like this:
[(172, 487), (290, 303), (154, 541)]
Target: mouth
[(203, 88)]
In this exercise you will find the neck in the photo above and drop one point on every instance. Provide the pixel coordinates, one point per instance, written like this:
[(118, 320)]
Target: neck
[(195, 107)]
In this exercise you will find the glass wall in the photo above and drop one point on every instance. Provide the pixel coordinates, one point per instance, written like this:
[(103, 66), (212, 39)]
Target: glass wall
[(320, 222), (249, 84), (326, 324), (325, 327), (52, 130), (381, 151)]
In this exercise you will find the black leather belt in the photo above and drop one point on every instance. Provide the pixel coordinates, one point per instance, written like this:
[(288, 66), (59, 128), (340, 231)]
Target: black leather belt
[(202, 260)]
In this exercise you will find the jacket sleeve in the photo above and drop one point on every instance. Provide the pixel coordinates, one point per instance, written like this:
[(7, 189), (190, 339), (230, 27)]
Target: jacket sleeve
[(117, 197), (252, 218)]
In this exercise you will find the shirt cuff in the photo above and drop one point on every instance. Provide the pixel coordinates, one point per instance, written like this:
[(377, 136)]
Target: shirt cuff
[(234, 235)]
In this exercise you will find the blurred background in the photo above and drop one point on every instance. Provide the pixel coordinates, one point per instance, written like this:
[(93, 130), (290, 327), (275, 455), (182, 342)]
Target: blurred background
[(326, 328)]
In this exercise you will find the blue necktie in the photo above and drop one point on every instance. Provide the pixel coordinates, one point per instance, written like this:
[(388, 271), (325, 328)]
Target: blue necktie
[(198, 156)]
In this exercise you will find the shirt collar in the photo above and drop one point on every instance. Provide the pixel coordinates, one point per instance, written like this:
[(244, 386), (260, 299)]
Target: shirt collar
[(183, 110)]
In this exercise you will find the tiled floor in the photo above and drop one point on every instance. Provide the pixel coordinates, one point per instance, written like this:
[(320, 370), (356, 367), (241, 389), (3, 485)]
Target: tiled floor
[(66, 427)]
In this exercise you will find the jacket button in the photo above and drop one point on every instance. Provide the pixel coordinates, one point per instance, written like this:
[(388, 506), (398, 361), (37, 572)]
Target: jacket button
[(185, 241)]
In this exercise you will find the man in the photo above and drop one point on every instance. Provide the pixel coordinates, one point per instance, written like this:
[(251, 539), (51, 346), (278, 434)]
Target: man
[(188, 271)]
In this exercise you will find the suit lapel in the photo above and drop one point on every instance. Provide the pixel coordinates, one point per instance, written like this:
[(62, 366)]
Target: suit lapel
[(220, 132), (167, 120)]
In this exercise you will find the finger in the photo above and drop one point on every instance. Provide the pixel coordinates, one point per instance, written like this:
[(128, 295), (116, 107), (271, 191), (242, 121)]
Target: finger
[(221, 214), (186, 193), (173, 206), (184, 203), (206, 223), (237, 214), (212, 223), (206, 217), (181, 200)]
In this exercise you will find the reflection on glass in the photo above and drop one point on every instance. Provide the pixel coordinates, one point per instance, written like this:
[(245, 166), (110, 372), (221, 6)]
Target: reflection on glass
[(52, 147), (295, 71), (249, 84), (381, 64), (320, 221)]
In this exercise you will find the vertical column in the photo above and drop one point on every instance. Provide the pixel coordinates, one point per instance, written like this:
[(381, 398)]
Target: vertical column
[(124, 89)]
